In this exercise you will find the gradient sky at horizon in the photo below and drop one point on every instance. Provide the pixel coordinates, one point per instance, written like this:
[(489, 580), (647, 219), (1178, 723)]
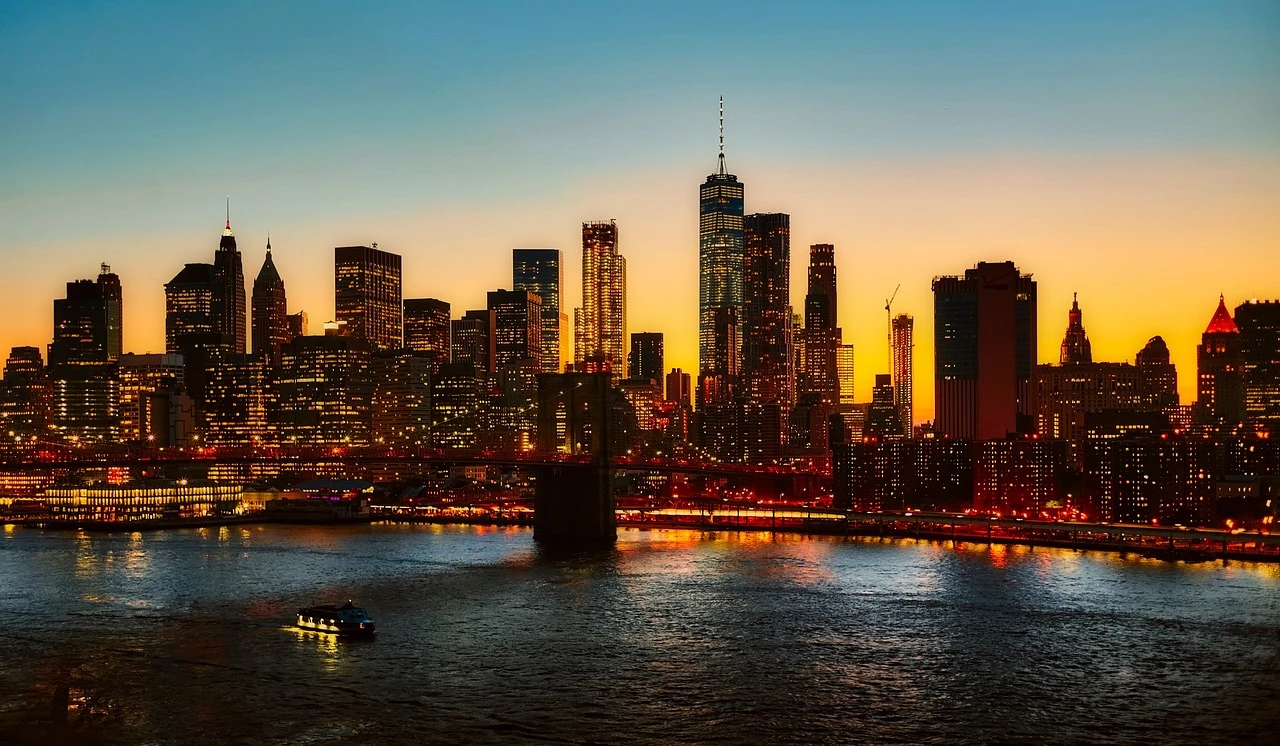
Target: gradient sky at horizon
[(1127, 151)]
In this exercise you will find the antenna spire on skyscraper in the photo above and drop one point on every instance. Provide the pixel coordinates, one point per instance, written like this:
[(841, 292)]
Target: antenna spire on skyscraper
[(228, 211), (268, 242), (722, 168)]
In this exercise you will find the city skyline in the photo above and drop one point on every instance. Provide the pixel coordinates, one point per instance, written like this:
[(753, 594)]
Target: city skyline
[(930, 183)]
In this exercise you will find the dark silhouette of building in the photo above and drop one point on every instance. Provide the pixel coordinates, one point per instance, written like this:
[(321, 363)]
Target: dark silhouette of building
[(818, 372), (766, 289), (24, 406), (647, 361), (767, 369), (367, 294), (600, 326), (270, 312), (230, 311), (426, 329), (883, 420), (1259, 324), (113, 297), (189, 320), (540, 271), (1220, 371), (297, 325), (472, 343), (1075, 343), (515, 325), (988, 315), (1159, 375), (1019, 476), (81, 370), (720, 242), (678, 387)]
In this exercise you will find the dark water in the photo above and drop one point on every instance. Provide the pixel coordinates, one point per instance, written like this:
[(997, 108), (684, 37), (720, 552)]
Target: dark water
[(674, 637)]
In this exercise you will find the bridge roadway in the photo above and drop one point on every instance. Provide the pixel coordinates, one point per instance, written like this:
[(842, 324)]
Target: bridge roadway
[(80, 459)]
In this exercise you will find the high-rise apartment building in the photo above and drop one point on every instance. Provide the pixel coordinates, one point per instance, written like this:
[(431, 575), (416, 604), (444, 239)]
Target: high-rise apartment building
[(472, 344), (1259, 324), (81, 370), (766, 291), (903, 330), (988, 315), (720, 241), (540, 271), (367, 294), (818, 375), (113, 297), (844, 369), (239, 401), (601, 327), (147, 385), (230, 311), (324, 391), (270, 312), (401, 404), (647, 360), (426, 329), (1220, 371), (24, 406), (515, 326)]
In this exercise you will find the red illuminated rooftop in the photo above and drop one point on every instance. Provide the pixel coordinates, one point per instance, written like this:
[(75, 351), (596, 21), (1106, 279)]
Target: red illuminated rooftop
[(1222, 323)]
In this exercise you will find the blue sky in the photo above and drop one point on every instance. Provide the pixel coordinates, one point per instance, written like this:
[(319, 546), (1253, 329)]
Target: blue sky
[(126, 124)]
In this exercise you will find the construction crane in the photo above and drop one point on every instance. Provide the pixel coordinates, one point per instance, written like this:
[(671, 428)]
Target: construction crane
[(888, 312)]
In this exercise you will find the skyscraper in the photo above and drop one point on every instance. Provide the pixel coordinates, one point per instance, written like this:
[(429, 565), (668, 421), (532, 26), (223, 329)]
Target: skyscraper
[(647, 360), (113, 296), (426, 329), (324, 391), (988, 315), (81, 371), (1159, 377), (24, 408), (515, 325), (903, 369), (1259, 323), (766, 292), (602, 341), (367, 294), (818, 376), (270, 313), (1220, 371), (720, 247), (188, 318), (540, 271), (229, 307), (844, 368), (1075, 344), (678, 385), (471, 344)]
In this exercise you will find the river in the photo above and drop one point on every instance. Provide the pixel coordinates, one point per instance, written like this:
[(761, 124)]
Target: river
[(183, 636)]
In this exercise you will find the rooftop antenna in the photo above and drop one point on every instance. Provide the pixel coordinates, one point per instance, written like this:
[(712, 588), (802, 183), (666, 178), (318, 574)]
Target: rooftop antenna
[(268, 242), (722, 169), (228, 210)]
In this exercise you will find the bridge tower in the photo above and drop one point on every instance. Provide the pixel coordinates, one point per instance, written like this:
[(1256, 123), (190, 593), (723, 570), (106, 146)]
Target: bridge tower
[(573, 501)]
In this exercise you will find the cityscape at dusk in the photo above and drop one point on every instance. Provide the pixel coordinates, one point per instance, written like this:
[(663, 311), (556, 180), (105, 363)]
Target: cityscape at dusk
[(668, 373)]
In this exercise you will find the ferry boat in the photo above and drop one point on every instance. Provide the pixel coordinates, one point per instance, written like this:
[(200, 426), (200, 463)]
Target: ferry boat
[(347, 620)]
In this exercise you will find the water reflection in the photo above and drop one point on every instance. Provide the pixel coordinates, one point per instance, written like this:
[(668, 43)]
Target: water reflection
[(669, 636)]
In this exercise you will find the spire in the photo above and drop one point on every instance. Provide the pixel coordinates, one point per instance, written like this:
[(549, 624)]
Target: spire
[(1075, 345), (268, 243), (722, 170), (1222, 323), (228, 232)]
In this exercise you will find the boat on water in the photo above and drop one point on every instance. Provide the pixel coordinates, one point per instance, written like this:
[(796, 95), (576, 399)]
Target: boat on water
[(345, 620)]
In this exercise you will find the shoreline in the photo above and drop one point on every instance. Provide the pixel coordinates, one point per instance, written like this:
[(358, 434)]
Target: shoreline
[(853, 530)]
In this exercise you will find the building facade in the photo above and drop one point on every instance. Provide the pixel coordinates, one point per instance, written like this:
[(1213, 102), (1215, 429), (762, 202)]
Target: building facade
[(230, 311), (601, 329), (987, 315), (1259, 324), (426, 329), (367, 294), (720, 241), (541, 272), (1220, 372), (270, 312)]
